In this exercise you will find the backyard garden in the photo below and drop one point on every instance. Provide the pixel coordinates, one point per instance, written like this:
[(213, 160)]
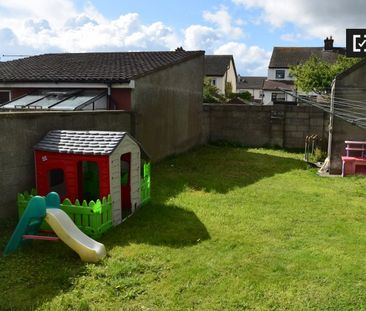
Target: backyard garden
[(228, 228)]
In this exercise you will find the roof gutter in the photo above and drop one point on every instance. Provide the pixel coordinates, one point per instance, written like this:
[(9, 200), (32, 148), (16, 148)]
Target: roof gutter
[(87, 85)]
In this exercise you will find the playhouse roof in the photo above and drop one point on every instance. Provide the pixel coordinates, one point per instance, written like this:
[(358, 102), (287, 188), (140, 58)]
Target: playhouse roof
[(81, 142)]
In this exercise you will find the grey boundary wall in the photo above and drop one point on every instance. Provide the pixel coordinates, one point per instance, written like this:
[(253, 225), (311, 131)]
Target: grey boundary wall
[(282, 126), (279, 125), (21, 131)]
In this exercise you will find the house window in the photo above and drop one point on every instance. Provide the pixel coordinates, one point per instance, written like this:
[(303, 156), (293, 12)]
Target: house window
[(213, 82), (4, 96), (56, 181), (280, 74), (278, 97)]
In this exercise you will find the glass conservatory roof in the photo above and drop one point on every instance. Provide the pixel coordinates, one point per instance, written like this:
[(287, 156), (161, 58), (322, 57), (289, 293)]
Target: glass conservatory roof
[(56, 99)]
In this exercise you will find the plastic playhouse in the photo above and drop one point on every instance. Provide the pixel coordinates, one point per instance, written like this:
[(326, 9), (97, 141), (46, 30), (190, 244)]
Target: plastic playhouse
[(90, 165), (101, 178)]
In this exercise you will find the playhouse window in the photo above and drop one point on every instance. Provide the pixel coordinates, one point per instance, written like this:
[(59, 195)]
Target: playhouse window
[(125, 168), (56, 180)]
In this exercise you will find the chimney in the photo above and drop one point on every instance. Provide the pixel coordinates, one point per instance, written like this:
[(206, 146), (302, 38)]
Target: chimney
[(328, 43)]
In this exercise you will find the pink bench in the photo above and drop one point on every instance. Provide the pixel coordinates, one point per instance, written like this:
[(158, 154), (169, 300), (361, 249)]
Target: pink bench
[(355, 160)]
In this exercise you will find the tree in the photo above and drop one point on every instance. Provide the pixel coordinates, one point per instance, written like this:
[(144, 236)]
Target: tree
[(211, 94), (317, 75)]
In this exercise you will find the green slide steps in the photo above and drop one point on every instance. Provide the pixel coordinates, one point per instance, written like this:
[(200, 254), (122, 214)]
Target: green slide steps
[(31, 220)]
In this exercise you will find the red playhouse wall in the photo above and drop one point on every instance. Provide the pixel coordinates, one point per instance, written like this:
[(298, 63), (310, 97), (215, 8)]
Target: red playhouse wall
[(69, 163), (121, 98)]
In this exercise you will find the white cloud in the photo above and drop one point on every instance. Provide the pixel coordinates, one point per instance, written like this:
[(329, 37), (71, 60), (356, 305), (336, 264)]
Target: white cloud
[(248, 60), (223, 21), (44, 25), (56, 12), (317, 19), (198, 37)]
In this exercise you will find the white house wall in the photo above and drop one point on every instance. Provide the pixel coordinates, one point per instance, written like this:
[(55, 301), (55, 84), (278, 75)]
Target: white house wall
[(126, 145), (231, 77), (272, 74), (267, 98), (256, 93), (219, 83)]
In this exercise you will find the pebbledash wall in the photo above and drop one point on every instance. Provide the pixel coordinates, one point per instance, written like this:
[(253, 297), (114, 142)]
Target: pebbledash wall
[(279, 125), (21, 131)]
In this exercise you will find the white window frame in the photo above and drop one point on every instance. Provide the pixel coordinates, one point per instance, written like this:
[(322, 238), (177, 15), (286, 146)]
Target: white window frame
[(282, 71)]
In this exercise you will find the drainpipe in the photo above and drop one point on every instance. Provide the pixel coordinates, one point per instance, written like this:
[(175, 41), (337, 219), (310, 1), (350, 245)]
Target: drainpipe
[(109, 97)]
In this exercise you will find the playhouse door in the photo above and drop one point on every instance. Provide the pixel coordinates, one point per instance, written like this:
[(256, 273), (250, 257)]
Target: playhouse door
[(126, 181)]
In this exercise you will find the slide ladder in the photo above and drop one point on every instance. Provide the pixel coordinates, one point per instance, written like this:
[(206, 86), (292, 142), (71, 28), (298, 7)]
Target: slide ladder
[(40, 208)]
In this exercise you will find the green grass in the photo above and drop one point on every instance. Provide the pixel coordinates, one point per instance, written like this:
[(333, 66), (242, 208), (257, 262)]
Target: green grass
[(227, 229)]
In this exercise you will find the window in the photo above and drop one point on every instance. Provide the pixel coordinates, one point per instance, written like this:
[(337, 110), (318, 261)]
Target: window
[(56, 181), (280, 74), (213, 82), (4, 96), (278, 97), (125, 169)]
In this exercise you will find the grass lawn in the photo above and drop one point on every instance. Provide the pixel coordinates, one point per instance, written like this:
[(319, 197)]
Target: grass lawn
[(227, 229)]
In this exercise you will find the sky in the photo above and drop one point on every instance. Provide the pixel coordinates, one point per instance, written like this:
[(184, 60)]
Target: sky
[(247, 29)]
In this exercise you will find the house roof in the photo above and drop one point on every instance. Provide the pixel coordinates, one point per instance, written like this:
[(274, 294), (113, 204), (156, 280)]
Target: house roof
[(274, 85), (285, 57), (217, 65), (250, 82), (117, 67), (80, 142)]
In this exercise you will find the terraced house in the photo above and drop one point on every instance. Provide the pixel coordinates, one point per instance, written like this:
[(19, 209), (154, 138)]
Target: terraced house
[(162, 90)]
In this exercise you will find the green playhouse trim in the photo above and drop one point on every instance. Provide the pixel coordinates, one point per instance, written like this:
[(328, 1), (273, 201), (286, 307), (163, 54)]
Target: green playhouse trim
[(93, 218), (145, 183)]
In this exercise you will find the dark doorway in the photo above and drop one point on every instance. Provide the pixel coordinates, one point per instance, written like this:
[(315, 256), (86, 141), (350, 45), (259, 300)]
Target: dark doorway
[(126, 183), (88, 174)]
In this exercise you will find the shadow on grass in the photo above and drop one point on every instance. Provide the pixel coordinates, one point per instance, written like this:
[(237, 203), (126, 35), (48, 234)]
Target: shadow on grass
[(218, 169), (209, 168), (36, 273), (159, 224)]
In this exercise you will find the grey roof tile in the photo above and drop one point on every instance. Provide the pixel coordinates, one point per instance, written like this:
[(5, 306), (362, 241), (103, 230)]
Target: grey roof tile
[(249, 82), (118, 67), (217, 65), (81, 142), (285, 57)]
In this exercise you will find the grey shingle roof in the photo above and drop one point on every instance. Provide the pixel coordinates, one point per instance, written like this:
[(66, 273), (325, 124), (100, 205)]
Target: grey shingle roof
[(80, 142), (250, 82), (285, 57), (216, 65), (272, 85), (118, 67)]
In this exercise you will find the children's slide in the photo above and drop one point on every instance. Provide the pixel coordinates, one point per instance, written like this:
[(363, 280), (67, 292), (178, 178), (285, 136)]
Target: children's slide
[(47, 208), (88, 249)]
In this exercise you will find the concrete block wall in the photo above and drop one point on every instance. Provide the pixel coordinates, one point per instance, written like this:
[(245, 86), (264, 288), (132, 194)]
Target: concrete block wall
[(167, 106), (21, 131), (280, 125)]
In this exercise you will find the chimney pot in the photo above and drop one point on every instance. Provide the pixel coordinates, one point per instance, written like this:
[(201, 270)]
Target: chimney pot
[(328, 43)]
